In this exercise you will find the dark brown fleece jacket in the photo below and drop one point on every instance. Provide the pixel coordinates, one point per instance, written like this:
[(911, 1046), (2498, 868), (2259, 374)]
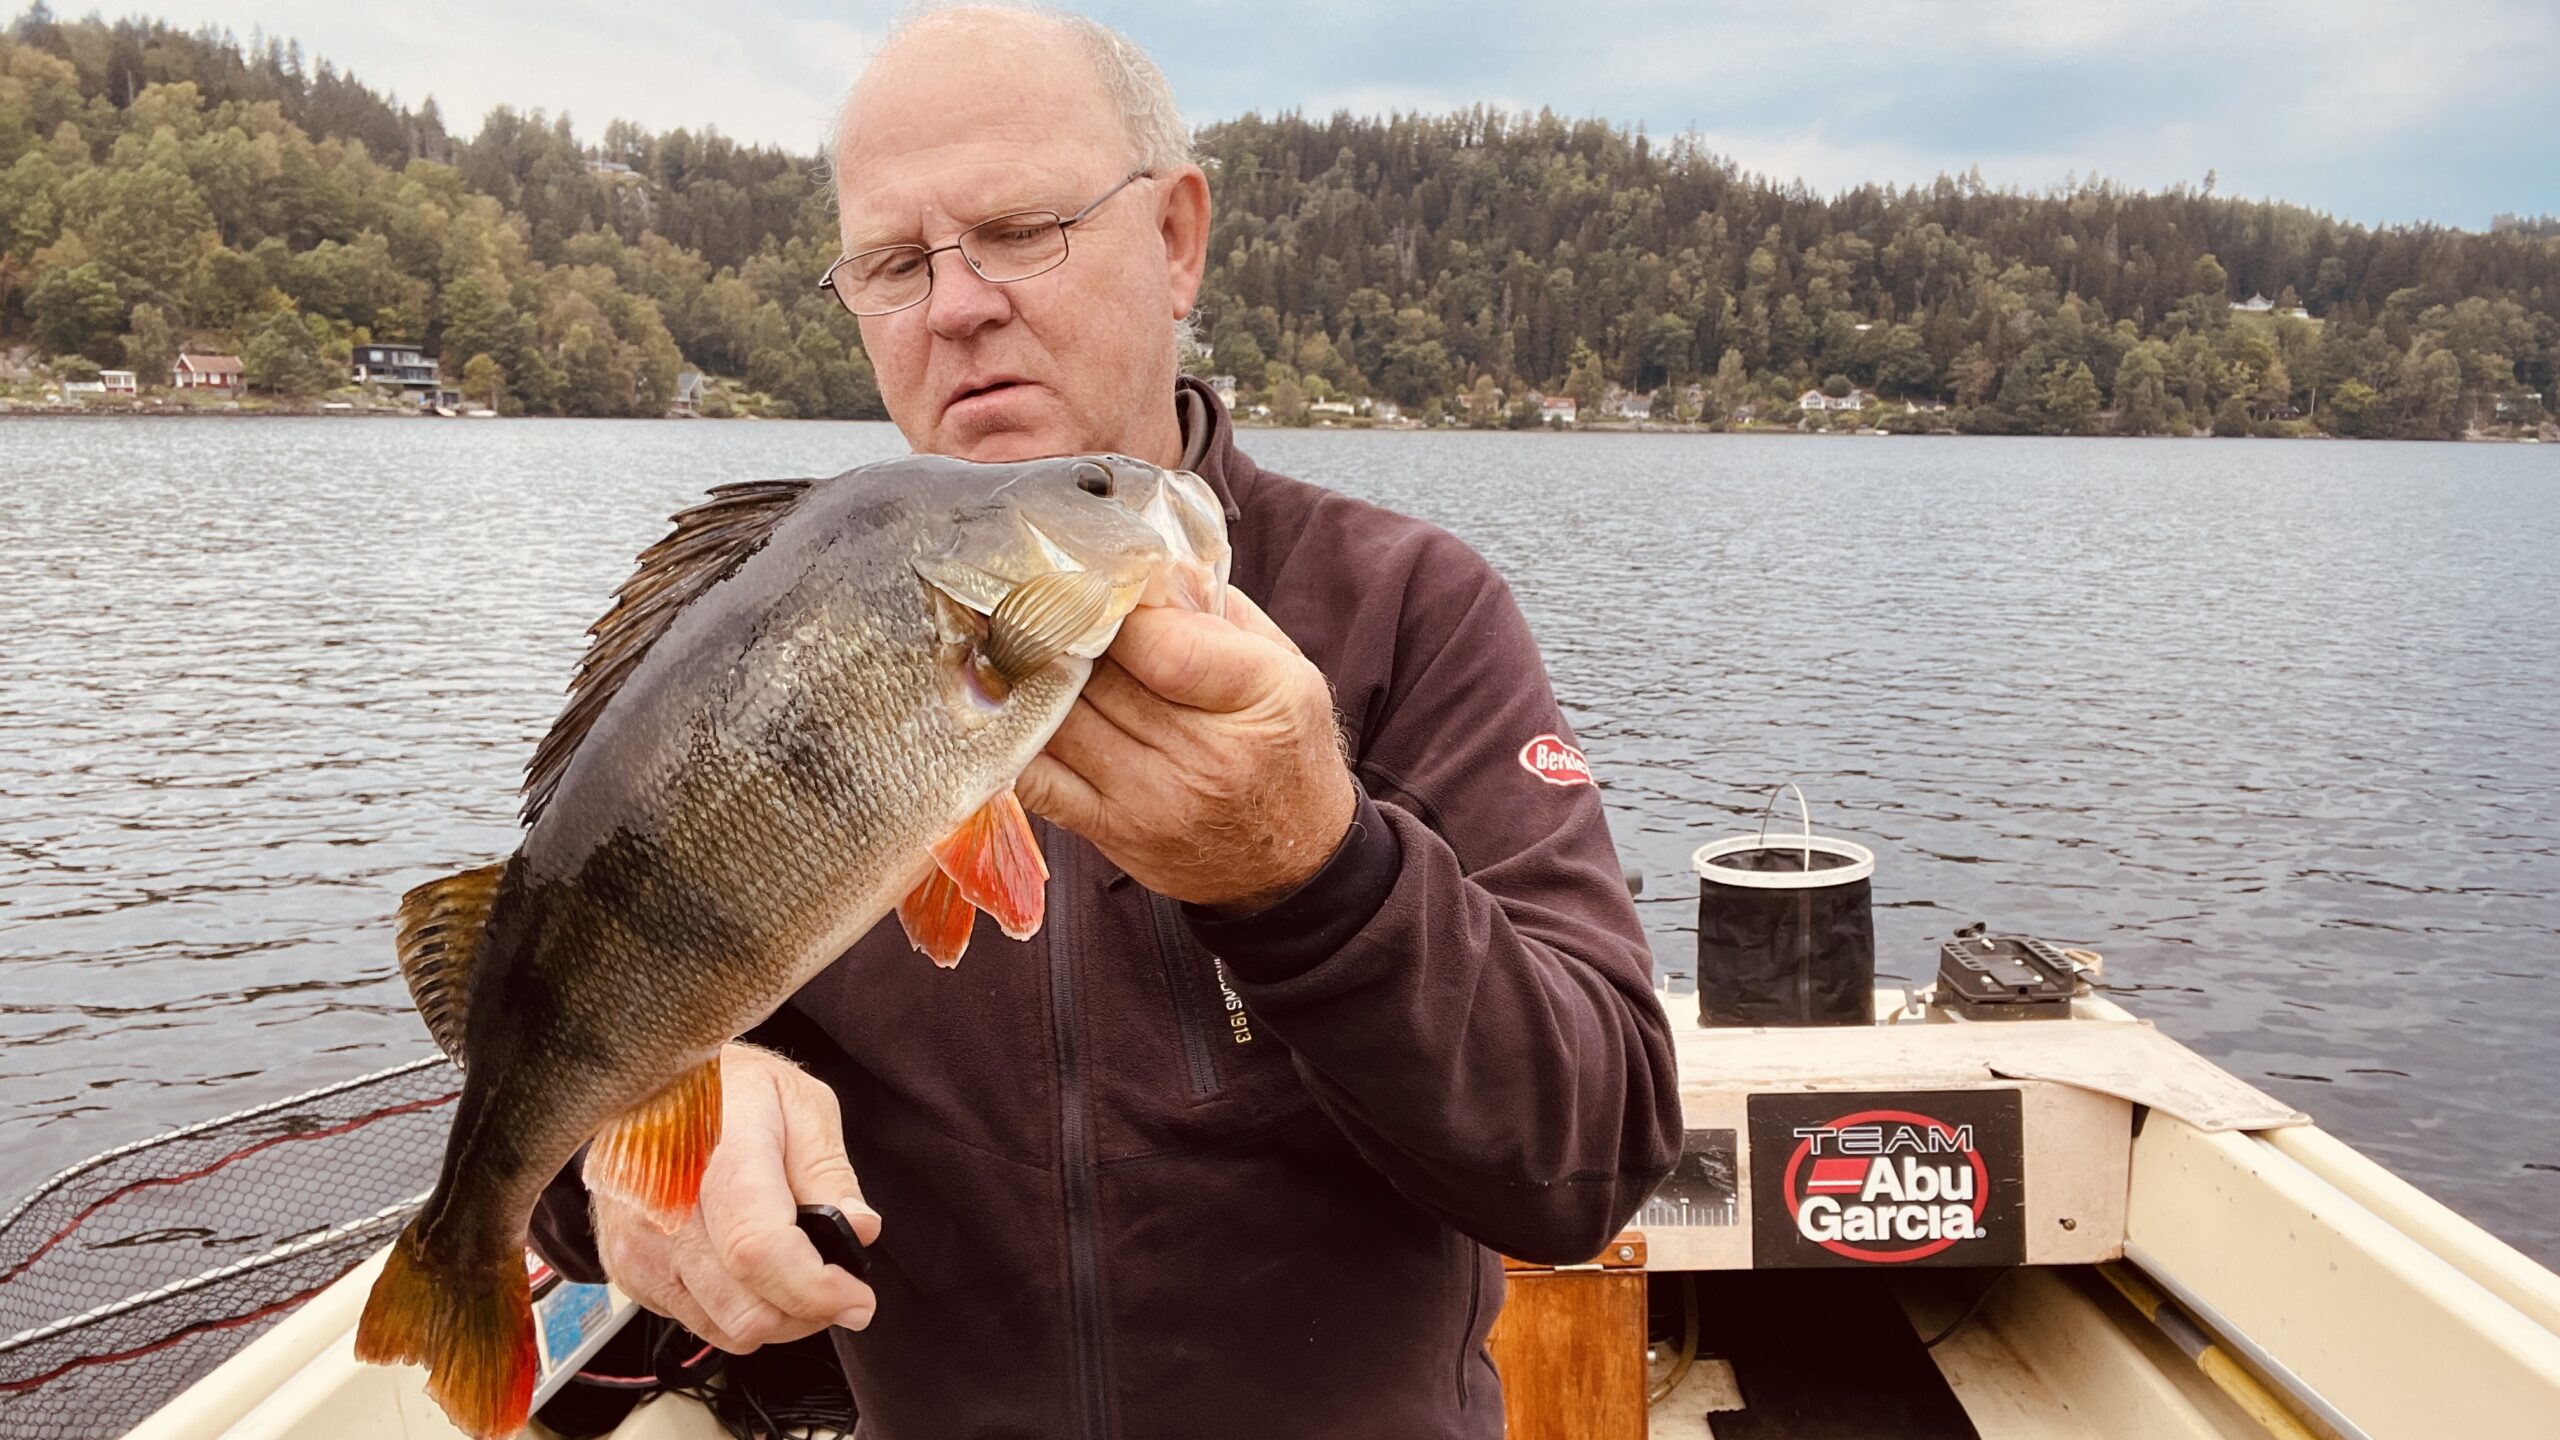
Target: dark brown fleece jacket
[(1155, 1174)]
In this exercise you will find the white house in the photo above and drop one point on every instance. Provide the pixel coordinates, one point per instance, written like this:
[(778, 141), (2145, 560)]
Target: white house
[(1552, 408), (1343, 408), (2254, 305), (1631, 405), (1814, 401), (119, 382), (1225, 386), (692, 388)]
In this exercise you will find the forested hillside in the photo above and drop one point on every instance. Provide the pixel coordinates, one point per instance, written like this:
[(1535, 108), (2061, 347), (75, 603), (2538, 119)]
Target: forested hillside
[(159, 189)]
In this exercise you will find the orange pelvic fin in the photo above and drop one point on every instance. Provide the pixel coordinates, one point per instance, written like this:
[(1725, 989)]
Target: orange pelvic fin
[(938, 918), (995, 860), (471, 1328), (653, 1156)]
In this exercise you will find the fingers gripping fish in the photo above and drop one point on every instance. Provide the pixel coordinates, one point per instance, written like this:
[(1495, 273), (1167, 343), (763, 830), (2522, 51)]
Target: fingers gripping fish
[(804, 711)]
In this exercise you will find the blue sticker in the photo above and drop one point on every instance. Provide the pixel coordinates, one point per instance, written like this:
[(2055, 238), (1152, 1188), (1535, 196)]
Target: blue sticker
[(571, 1316)]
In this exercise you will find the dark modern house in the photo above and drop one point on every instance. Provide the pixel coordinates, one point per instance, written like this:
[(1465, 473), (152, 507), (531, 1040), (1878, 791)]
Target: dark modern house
[(398, 367)]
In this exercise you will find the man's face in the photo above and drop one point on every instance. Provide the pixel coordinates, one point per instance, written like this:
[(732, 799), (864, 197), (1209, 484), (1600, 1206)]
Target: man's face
[(954, 126)]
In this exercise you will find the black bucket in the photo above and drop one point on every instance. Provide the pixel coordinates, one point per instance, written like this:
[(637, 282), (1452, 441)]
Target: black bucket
[(1786, 930)]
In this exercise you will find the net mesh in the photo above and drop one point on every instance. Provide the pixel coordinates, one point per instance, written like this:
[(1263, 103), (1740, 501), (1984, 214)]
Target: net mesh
[(127, 1276)]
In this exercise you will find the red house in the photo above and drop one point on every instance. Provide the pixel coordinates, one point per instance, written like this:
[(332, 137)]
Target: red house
[(217, 373)]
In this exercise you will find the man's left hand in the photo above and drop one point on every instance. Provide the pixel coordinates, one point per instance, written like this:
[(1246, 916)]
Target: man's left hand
[(1202, 759)]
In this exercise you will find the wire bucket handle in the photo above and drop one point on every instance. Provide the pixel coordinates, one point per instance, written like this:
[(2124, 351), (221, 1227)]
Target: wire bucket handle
[(1804, 813)]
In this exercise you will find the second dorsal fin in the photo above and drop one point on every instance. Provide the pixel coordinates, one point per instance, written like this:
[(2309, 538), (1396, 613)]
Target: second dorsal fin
[(440, 925), (709, 541)]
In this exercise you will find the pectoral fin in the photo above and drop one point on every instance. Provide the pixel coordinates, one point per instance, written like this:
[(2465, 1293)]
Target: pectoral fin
[(1045, 617), (653, 1156), (938, 918), (993, 860)]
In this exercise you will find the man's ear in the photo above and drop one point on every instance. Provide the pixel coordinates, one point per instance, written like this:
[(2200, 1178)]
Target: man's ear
[(1183, 220)]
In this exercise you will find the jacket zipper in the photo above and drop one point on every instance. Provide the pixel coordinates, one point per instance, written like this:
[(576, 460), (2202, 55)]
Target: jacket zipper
[(1475, 1312), (1179, 978), (1084, 1269)]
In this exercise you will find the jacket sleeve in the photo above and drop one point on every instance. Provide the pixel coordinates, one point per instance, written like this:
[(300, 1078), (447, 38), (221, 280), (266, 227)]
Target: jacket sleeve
[(564, 1233), (1464, 986)]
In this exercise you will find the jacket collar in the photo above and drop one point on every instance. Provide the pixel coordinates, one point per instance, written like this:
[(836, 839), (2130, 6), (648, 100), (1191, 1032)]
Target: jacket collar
[(1209, 442)]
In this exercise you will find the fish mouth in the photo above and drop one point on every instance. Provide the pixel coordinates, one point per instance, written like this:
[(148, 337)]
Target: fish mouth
[(1186, 513)]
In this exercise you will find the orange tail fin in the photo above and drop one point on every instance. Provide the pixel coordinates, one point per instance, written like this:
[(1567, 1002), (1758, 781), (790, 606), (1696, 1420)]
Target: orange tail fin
[(472, 1329)]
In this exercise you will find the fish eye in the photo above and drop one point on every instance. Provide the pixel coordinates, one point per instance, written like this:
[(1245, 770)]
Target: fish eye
[(1093, 478)]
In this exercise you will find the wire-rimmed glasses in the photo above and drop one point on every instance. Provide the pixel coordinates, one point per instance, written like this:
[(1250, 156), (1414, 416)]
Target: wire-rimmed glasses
[(891, 278)]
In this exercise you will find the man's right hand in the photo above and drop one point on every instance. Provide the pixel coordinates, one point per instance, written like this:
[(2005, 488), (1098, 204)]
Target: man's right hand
[(739, 1273)]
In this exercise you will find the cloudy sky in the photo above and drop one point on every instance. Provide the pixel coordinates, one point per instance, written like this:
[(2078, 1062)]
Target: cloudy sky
[(2374, 110)]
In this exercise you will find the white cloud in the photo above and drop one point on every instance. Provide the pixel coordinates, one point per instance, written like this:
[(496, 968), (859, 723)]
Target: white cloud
[(2062, 25), (758, 71)]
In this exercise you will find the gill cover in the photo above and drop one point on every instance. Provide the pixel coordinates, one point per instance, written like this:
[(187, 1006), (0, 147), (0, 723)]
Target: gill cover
[(1158, 536)]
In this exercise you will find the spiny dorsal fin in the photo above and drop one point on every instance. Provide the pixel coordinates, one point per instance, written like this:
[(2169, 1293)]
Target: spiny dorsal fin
[(708, 542), (440, 924)]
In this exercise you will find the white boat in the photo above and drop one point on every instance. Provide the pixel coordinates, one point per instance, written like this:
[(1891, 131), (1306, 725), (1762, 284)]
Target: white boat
[(2186, 1257)]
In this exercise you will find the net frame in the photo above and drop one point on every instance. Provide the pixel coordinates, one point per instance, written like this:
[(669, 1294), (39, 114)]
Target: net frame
[(108, 1310)]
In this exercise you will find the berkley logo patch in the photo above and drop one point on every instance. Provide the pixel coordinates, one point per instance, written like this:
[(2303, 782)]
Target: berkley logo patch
[(1887, 1179), (1552, 760)]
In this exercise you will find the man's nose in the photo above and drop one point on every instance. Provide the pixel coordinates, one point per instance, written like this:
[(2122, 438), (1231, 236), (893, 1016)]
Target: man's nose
[(962, 302)]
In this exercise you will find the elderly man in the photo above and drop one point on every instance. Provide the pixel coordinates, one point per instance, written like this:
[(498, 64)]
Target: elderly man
[(1340, 991)]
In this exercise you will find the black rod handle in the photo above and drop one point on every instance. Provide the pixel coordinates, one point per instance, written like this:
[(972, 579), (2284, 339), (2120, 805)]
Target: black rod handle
[(827, 1229)]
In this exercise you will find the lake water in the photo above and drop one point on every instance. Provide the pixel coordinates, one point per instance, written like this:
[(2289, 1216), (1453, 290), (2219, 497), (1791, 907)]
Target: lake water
[(2271, 725)]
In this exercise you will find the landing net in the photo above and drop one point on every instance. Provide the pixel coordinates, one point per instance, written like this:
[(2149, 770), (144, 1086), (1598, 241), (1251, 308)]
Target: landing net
[(126, 1277)]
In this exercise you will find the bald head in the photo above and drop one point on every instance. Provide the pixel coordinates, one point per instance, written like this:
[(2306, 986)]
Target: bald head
[(982, 127), (961, 39)]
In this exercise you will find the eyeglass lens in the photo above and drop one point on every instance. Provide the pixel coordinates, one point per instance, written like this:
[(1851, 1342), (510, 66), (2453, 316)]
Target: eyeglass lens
[(1005, 249)]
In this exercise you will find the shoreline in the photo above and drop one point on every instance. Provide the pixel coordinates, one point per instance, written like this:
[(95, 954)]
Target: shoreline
[(10, 412)]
